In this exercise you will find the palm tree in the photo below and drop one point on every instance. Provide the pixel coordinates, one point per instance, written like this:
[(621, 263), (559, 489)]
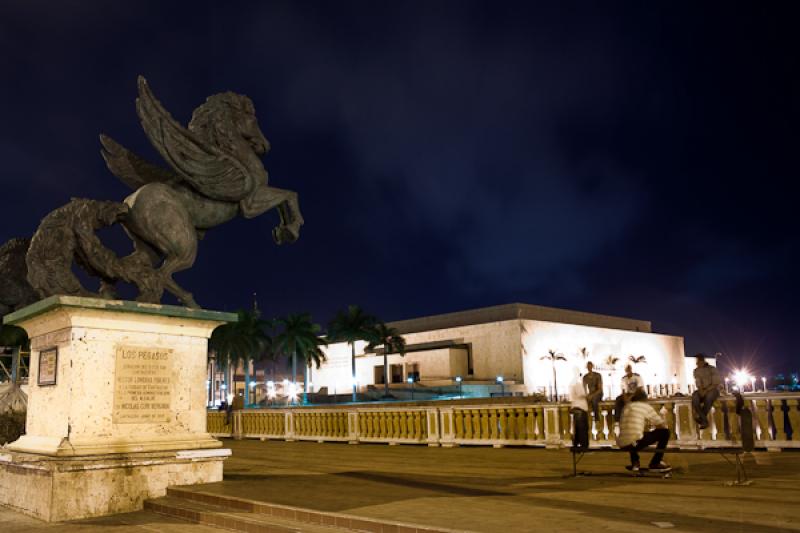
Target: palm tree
[(299, 337), (584, 353), (640, 359), (240, 342), (552, 356), (351, 326), (392, 342)]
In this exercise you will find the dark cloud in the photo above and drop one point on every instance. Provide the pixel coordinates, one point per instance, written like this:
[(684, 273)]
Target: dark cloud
[(632, 160)]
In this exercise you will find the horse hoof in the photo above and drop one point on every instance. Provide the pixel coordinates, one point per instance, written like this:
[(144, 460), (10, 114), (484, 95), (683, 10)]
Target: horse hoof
[(283, 235)]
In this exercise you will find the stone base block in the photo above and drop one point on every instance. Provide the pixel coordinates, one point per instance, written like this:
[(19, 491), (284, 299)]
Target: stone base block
[(56, 488)]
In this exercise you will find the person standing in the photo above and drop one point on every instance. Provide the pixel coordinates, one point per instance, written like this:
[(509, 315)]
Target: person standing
[(579, 408), (640, 427), (707, 387), (593, 382), (630, 384)]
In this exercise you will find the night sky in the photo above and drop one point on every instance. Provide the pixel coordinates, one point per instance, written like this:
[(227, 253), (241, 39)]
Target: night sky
[(451, 155)]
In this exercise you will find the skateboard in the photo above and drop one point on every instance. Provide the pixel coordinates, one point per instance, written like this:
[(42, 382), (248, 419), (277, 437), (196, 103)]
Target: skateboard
[(644, 471)]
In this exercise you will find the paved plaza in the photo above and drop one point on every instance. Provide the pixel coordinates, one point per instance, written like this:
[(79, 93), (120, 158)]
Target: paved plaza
[(491, 490)]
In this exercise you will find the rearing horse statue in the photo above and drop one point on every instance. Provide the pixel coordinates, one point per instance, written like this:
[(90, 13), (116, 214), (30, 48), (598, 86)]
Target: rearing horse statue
[(215, 174)]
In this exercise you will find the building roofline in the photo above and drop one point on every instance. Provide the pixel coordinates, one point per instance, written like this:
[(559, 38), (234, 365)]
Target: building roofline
[(518, 311)]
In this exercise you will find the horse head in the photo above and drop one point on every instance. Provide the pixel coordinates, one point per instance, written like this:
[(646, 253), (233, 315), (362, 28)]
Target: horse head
[(228, 121)]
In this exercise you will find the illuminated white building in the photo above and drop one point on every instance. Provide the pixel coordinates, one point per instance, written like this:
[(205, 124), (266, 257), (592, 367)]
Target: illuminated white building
[(512, 341)]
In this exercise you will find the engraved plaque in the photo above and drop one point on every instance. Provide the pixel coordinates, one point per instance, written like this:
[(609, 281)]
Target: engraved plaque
[(48, 367), (142, 385)]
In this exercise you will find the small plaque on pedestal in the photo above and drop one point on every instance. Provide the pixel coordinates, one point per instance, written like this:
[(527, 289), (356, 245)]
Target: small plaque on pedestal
[(142, 385), (48, 367)]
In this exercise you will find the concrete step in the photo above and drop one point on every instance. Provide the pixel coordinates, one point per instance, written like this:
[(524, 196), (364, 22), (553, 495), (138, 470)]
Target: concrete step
[(231, 519), (243, 514)]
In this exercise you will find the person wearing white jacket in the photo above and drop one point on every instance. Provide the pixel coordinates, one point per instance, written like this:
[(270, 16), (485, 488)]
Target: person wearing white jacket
[(640, 427), (579, 407)]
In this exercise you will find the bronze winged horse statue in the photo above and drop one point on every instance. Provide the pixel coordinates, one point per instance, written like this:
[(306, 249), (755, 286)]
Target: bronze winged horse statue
[(215, 174)]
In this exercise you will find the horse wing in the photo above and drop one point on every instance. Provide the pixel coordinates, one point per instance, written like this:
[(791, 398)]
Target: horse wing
[(208, 169), (131, 169)]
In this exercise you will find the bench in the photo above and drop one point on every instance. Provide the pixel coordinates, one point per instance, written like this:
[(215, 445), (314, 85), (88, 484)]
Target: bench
[(725, 452)]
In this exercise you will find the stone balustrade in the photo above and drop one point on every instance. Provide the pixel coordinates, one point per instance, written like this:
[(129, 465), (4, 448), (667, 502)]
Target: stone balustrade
[(776, 418)]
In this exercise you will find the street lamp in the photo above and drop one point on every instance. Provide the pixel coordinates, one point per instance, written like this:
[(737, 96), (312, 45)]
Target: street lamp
[(726, 385), (764, 382), (458, 380), (502, 386), (752, 384), (411, 382)]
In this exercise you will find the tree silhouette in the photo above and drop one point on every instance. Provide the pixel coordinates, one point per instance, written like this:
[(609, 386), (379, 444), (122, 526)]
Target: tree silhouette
[(299, 337), (350, 326), (392, 342), (552, 356)]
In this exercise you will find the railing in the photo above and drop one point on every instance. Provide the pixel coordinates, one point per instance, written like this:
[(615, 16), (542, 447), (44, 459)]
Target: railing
[(776, 421)]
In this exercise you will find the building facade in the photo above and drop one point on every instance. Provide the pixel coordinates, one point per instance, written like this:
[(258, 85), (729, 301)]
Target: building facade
[(512, 342)]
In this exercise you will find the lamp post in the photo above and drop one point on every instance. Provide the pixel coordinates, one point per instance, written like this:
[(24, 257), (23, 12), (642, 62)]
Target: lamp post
[(752, 384), (764, 382), (459, 380), (502, 386), (411, 382), (726, 385)]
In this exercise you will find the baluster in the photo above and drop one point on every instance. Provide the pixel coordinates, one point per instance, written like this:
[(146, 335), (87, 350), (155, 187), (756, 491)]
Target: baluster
[(780, 408), (502, 424), (475, 417), (492, 424), (401, 426), (540, 421), (566, 426), (793, 406), (530, 423), (458, 422), (669, 418), (686, 432), (762, 419), (773, 427), (520, 424), (484, 432), (717, 422), (396, 425)]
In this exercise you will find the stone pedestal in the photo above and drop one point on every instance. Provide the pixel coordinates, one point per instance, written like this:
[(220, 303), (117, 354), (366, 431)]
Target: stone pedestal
[(116, 407)]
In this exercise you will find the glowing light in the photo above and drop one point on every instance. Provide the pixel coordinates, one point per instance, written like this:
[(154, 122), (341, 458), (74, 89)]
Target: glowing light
[(410, 380), (458, 379), (292, 395), (499, 379), (741, 377), (223, 386), (271, 384), (252, 384)]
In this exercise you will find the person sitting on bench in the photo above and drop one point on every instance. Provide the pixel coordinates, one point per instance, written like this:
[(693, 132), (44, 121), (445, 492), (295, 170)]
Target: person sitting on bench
[(640, 427), (630, 384), (706, 379)]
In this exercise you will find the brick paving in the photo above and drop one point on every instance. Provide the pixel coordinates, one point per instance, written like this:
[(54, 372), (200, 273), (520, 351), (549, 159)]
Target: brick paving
[(488, 490)]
